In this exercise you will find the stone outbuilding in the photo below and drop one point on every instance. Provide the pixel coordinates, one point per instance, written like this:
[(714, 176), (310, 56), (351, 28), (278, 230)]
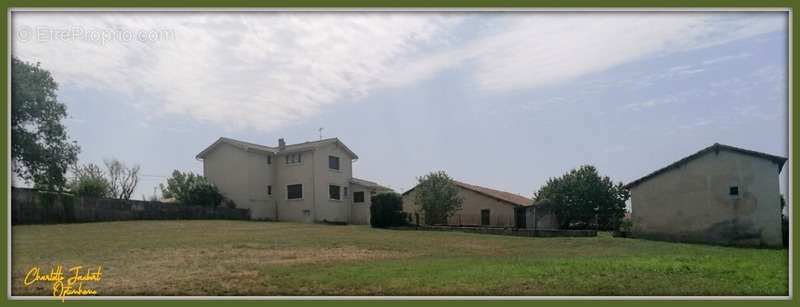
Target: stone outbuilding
[(720, 195)]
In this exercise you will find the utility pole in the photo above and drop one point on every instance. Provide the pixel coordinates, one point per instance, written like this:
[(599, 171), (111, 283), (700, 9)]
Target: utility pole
[(320, 132)]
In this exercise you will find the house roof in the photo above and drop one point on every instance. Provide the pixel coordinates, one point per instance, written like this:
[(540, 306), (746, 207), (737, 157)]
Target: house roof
[(506, 197), (275, 150), (715, 148), (368, 184)]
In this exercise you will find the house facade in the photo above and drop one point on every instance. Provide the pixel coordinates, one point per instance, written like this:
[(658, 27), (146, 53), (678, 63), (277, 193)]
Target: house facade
[(306, 182), (484, 206), (721, 194)]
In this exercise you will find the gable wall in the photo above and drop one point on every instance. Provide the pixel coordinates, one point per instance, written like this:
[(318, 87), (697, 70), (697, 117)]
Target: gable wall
[(243, 177), (692, 202)]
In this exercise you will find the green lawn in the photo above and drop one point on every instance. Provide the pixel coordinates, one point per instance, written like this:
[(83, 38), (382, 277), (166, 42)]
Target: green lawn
[(263, 258)]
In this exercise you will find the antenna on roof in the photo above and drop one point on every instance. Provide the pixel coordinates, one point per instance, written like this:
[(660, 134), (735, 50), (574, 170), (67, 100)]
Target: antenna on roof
[(320, 132)]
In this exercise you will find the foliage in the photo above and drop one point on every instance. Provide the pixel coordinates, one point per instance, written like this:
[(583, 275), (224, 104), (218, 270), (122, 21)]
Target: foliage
[(88, 180), (387, 211), (122, 179), (626, 225), (437, 197), (584, 199), (229, 203), (40, 149), (190, 189)]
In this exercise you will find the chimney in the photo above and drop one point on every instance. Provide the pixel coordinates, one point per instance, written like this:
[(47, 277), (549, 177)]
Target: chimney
[(281, 144)]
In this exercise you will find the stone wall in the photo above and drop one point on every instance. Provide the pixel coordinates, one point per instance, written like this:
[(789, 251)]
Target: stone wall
[(30, 206)]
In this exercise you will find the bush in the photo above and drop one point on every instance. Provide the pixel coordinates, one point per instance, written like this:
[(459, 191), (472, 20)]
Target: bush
[(88, 180), (785, 230), (191, 189), (626, 225), (387, 211), (230, 204)]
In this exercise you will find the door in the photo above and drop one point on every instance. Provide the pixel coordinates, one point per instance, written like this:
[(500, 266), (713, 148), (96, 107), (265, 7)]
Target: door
[(519, 218), (485, 217)]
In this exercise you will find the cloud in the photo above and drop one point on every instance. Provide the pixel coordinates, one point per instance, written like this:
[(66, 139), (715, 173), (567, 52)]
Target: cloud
[(267, 70), (548, 48), (239, 70)]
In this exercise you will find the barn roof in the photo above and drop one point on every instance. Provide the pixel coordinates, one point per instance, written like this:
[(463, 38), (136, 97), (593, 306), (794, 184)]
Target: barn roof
[(506, 197), (715, 148)]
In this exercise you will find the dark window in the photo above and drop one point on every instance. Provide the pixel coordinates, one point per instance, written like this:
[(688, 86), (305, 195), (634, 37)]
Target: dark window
[(294, 158), (734, 191), (269, 190), (345, 192), (294, 191), (485, 216), (269, 159), (333, 191), (333, 162), (358, 197)]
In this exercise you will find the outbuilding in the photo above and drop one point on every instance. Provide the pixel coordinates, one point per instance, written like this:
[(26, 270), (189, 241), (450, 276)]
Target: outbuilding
[(721, 195)]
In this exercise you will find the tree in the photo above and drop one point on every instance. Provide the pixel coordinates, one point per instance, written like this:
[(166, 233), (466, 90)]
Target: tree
[(190, 189), (122, 179), (437, 197), (582, 198), (88, 180), (386, 210), (40, 149)]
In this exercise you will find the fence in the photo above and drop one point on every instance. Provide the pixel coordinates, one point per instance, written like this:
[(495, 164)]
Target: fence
[(510, 231), (30, 206)]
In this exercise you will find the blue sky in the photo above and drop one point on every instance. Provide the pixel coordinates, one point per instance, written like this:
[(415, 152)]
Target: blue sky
[(504, 100)]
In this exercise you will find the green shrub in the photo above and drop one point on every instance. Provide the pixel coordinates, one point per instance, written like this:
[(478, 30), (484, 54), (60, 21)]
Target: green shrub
[(190, 189), (626, 225), (387, 211), (88, 180)]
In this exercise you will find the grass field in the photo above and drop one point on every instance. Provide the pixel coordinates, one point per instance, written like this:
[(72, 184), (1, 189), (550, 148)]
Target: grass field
[(261, 258)]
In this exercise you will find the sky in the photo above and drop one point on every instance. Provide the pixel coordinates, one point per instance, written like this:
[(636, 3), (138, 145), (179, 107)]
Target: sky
[(504, 100)]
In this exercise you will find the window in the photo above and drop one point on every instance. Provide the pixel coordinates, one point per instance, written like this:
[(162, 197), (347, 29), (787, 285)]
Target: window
[(358, 197), (345, 192), (293, 158), (333, 191), (269, 190), (733, 191), (333, 162), (269, 159), (294, 191)]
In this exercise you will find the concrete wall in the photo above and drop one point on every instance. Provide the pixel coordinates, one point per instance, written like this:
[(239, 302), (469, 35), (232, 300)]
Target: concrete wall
[(329, 209), (296, 210), (29, 206), (242, 176), (692, 203), (501, 213), (540, 219), (359, 212)]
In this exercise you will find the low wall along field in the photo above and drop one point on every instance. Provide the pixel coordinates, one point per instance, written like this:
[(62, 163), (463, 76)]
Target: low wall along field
[(30, 206)]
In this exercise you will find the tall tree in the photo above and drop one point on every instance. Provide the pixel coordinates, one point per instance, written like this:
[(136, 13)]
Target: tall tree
[(122, 179), (437, 197), (582, 198), (40, 149)]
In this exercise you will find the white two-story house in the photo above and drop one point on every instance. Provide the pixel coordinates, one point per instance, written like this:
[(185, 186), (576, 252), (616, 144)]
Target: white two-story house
[(305, 182)]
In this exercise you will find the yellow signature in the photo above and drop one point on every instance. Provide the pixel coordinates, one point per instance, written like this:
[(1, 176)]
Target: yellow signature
[(64, 286)]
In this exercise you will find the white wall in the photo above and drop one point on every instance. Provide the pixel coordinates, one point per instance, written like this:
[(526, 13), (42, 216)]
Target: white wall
[(243, 177)]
